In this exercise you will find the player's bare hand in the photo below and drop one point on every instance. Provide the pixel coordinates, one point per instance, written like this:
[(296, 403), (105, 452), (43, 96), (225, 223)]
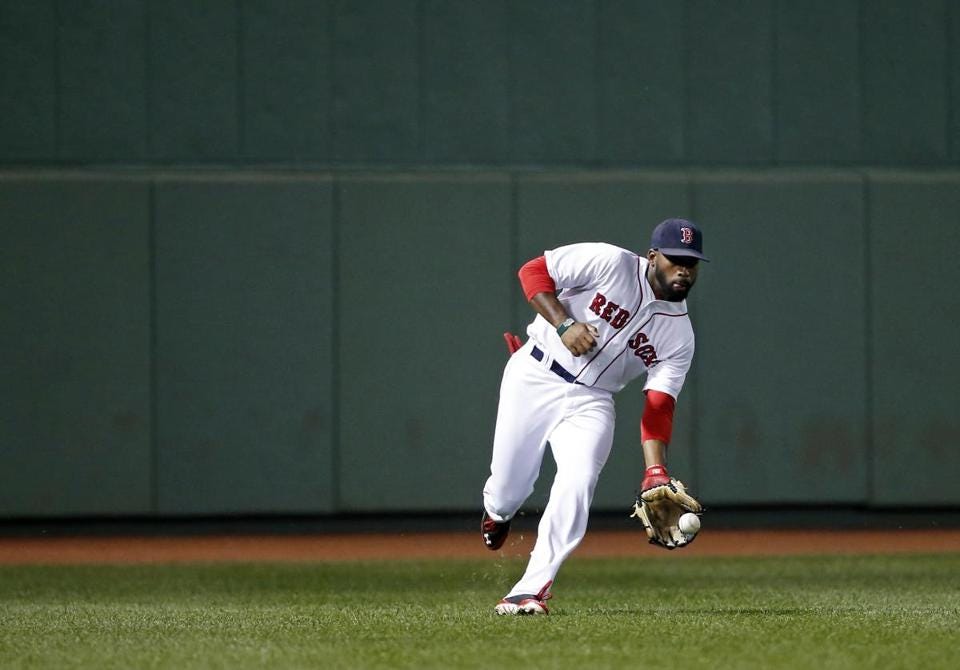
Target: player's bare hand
[(580, 338)]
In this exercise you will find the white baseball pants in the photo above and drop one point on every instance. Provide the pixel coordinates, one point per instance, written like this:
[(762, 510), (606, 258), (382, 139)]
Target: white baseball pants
[(537, 407)]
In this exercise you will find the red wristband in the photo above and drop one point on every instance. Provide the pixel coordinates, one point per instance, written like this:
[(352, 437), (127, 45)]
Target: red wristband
[(655, 475)]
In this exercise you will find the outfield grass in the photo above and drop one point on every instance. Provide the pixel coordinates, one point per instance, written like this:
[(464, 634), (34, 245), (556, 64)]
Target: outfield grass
[(803, 612)]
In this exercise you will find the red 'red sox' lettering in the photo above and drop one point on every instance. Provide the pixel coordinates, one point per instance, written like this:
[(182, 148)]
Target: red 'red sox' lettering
[(598, 301), (620, 320), (605, 310), (608, 310), (641, 348)]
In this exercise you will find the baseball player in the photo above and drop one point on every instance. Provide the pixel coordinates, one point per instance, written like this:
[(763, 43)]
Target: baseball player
[(605, 316)]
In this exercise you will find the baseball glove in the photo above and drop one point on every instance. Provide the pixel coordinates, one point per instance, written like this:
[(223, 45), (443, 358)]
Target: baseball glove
[(660, 504)]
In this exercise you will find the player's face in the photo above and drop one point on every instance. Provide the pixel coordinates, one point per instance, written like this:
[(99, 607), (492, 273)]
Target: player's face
[(673, 276)]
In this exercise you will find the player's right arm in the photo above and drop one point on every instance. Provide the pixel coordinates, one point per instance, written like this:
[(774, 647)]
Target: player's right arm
[(541, 291), (578, 338)]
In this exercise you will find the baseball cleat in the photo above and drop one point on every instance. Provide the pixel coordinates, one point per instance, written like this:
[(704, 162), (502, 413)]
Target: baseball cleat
[(524, 604), (494, 532)]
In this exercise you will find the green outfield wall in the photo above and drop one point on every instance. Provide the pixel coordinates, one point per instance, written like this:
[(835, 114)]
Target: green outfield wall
[(223, 343), (467, 82), (257, 257)]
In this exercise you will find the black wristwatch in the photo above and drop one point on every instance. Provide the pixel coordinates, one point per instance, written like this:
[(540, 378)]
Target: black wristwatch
[(562, 328)]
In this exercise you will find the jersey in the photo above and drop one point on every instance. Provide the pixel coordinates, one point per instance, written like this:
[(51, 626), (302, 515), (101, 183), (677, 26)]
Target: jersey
[(606, 286)]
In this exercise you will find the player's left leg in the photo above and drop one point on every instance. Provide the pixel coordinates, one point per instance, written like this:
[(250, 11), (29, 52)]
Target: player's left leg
[(580, 444)]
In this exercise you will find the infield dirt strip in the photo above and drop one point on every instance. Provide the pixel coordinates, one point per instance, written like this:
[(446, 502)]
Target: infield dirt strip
[(433, 545)]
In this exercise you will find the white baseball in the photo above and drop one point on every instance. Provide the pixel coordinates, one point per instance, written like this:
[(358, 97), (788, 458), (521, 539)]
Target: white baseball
[(689, 524)]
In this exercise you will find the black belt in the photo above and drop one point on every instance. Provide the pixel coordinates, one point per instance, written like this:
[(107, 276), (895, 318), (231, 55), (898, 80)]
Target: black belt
[(555, 367)]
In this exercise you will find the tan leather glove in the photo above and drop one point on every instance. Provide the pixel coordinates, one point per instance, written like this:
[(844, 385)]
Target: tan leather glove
[(659, 506)]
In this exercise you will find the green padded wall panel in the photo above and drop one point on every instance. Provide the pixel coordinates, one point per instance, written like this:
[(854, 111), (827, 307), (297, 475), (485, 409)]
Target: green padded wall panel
[(904, 83), (376, 81), (818, 89), (552, 60), (194, 80), (953, 70), (619, 208), (915, 361), (465, 81), (287, 60), (102, 72), (729, 104), (640, 82), (557, 209), (424, 297), (781, 339), (75, 416), (28, 88), (388, 82), (244, 296)]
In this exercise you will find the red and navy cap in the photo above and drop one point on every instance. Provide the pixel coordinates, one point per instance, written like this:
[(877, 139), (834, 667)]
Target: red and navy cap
[(678, 237)]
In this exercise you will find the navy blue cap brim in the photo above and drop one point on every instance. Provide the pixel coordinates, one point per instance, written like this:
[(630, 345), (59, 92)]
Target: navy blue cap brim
[(684, 252)]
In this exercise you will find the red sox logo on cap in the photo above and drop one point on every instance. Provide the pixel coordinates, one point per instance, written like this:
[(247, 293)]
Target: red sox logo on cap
[(678, 237)]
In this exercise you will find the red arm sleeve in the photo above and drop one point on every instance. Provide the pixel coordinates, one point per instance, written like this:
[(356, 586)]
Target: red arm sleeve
[(657, 421), (535, 279)]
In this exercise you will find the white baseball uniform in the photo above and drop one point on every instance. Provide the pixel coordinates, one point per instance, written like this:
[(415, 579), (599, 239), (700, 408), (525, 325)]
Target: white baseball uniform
[(548, 395)]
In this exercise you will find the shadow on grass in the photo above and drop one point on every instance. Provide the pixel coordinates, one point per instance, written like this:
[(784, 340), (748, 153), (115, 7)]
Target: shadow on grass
[(712, 611)]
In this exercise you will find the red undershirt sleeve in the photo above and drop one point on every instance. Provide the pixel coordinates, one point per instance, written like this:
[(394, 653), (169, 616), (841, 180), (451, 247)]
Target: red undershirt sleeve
[(535, 279), (657, 421)]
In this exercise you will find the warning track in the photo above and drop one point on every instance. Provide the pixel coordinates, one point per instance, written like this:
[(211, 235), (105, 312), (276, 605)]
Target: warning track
[(429, 545)]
